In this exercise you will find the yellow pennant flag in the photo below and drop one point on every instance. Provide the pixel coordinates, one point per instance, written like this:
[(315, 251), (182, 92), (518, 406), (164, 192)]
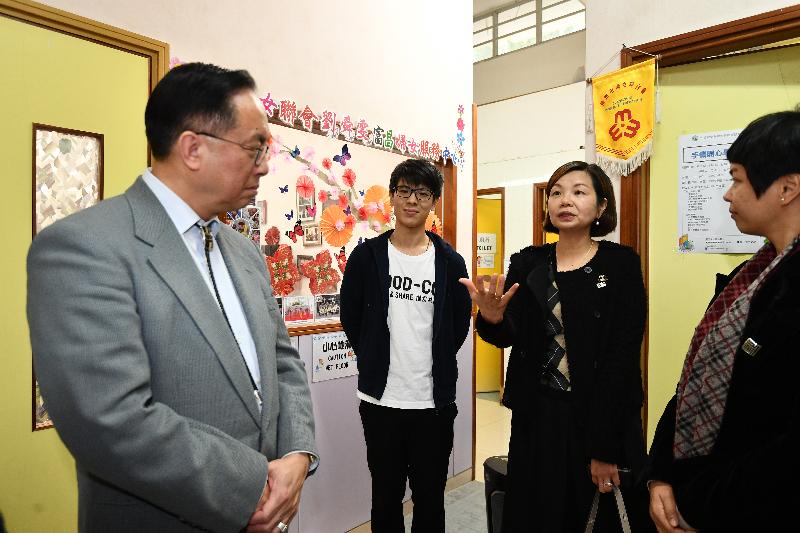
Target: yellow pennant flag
[(624, 105)]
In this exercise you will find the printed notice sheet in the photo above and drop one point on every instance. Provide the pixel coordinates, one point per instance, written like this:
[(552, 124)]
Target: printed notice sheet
[(704, 224)]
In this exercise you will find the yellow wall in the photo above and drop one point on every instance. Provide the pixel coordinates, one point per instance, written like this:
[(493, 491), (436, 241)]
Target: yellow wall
[(61, 81), (722, 94), (487, 357)]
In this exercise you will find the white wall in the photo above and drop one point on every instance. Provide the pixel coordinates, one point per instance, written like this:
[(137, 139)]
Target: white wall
[(522, 141), (405, 65), (648, 20), (550, 64)]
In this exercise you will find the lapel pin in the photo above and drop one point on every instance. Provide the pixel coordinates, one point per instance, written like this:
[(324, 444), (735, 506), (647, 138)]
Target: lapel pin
[(601, 281)]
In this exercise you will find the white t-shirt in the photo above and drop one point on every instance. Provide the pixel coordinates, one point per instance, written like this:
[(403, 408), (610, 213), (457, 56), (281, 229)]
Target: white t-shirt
[(409, 384)]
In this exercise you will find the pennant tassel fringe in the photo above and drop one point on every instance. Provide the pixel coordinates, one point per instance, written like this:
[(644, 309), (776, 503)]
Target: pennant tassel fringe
[(625, 167)]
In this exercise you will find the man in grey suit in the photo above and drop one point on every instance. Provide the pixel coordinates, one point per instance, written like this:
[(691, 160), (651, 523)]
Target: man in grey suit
[(165, 365)]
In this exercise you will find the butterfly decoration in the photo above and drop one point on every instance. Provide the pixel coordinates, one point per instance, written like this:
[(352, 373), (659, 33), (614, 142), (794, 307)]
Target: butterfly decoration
[(341, 259), (342, 159), (361, 193), (312, 211), (284, 189), (296, 152), (296, 232), (348, 211), (290, 214)]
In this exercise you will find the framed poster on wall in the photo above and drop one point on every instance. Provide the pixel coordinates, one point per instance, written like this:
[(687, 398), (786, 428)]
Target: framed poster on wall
[(67, 177)]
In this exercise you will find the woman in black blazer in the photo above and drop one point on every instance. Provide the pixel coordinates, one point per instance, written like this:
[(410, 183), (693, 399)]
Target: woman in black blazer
[(574, 314), (725, 452)]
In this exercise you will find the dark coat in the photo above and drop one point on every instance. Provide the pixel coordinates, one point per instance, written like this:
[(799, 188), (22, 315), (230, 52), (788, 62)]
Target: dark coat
[(365, 306), (603, 336), (748, 481)]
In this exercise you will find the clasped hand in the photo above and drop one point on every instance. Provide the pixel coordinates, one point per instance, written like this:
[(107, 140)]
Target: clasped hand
[(489, 296), (281, 496)]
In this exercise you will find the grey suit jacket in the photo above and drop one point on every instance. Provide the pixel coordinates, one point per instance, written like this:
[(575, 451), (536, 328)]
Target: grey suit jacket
[(143, 378)]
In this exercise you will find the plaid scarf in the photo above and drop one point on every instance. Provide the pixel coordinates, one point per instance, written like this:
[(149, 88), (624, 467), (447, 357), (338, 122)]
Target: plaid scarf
[(707, 370)]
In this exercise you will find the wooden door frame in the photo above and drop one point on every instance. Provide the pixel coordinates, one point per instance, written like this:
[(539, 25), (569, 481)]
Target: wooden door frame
[(156, 52), (485, 192), (538, 210), (700, 45)]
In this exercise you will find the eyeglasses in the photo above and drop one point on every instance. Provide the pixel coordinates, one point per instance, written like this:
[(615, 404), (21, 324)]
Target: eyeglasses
[(423, 194), (261, 151)]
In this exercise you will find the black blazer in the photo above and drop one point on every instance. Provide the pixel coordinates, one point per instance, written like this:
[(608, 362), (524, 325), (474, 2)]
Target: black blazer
[(365, 306), (749, 480), (603, 337)]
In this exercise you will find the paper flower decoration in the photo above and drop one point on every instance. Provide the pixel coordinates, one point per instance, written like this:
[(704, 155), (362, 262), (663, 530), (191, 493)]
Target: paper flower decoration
[(433, 224), (273, 236), (460, 124), (377, 207), (283, 271), (305, 187), (327, 163), (323, 277), (349, 177), (336, 226), (323, 196)]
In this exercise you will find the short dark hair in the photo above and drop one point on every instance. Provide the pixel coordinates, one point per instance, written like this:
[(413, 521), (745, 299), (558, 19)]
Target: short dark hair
[(768, 148), (603, 190), (416, 172), (193, 96)]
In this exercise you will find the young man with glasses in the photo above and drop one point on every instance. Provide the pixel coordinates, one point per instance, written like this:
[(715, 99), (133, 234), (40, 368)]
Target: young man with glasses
[(406, 316)]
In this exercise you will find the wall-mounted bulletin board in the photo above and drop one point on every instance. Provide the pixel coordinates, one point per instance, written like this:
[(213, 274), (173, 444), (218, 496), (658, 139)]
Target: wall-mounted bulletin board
[(321, 198)]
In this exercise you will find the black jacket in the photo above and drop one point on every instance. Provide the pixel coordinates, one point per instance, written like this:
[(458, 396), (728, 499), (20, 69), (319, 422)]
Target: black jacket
[(365, 306), (749, 481), (603, 329)]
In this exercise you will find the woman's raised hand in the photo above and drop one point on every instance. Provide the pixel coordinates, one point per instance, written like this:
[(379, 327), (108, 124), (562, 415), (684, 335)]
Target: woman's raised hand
[(489, 297)]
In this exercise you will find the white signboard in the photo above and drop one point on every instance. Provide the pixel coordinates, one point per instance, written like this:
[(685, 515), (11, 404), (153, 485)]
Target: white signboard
[(704, 223), (332, 356), (487, 243), (485, 260)]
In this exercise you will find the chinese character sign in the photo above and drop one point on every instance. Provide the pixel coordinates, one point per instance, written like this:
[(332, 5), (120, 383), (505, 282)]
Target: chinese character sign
[(624, 109), (333, 357)]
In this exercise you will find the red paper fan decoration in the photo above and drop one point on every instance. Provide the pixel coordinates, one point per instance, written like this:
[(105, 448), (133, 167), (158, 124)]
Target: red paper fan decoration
[(323, 277), (283, 271), (273, 236), (305, 187)]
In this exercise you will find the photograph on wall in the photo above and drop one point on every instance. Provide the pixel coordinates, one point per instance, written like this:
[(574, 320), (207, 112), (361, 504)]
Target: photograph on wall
[(302, 260), (298, 309), (333, 357), (67, 177), (279, 301), (311, 235), (327, 306), (246, 221), (306, 207)]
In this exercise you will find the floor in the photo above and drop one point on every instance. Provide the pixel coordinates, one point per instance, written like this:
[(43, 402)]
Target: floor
[(492, 429), (465, 505)]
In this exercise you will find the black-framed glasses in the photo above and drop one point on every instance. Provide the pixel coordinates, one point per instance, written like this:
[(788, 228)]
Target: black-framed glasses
[(261, 151), (423, 194)]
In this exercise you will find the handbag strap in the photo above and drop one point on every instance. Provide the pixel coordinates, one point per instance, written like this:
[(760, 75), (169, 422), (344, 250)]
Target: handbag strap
[(623, 514)]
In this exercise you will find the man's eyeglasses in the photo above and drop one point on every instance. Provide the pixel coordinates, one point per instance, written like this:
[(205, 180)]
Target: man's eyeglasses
[(260, 151), (423, 194)]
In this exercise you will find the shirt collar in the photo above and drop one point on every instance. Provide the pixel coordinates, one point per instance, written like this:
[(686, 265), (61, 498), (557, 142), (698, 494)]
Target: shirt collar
[(182, 216)]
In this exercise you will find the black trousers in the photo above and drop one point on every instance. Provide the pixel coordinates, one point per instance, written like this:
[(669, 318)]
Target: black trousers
[(413, 444)]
